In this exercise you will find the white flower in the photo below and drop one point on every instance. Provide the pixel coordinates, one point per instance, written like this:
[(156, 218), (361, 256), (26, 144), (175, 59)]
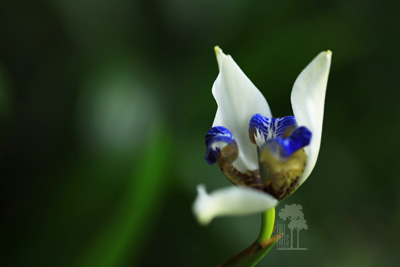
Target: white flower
[(261, 155)]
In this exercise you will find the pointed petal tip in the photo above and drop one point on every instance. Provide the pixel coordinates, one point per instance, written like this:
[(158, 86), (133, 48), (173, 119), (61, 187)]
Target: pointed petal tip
[(329, 53), (200, 206), (201, 189), (217, 50), (218, 53)]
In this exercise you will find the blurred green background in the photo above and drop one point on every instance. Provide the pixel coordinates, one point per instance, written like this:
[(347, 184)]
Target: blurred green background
[(104, 106)]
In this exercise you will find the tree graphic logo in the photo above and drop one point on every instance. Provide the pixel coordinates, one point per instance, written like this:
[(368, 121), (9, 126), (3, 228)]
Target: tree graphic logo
[(293, 214)]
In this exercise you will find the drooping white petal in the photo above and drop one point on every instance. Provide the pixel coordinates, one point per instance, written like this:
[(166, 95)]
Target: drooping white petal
[(230, 201), (308, 99), (238, 100)]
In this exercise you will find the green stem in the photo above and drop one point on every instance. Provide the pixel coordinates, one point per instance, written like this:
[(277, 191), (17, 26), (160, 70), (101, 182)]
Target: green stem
[(264, 243), (267, 225)]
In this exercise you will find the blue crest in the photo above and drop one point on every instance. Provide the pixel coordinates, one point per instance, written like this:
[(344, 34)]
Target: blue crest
[(285, 146), (216, 138), (271, 128)]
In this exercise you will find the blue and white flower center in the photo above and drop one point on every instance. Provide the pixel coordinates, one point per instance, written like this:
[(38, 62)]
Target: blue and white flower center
[(281, 159), (281, 135)]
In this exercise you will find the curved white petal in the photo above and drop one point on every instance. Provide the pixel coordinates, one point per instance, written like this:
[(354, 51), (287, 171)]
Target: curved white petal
[(230, 201), (238, 100), (308, 98)]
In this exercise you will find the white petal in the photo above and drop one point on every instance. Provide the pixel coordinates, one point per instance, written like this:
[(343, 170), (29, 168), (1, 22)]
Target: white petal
[(230, 201), (308, 98), (238, 100)]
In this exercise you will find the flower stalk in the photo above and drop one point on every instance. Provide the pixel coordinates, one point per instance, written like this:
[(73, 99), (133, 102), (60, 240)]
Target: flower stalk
[(252, 255), (267, 226)]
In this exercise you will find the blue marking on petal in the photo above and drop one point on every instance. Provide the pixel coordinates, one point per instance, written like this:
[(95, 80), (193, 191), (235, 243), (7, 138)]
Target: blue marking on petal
[(282, 124), (216, 138), (260, 123), (285, 147), (270, 127)]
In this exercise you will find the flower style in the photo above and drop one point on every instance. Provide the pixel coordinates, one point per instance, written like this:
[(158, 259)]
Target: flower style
[(266, 158)]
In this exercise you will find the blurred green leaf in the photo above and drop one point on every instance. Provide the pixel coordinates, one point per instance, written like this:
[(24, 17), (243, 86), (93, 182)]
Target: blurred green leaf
[(125, 233)]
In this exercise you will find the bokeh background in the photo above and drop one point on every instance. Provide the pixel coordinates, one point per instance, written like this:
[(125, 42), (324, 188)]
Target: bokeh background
[(104, 106)]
